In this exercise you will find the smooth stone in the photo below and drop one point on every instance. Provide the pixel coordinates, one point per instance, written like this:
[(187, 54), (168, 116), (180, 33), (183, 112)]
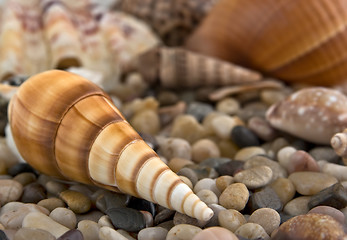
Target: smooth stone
[(84, 189), (167, 98), (302, 161), (207, 196), (77, 202), (310, 227), (176, 163), (186, 181), (228, 106), (268, 218), (265, 198), (203, 171), (216, 208), (105, 221), (2, 227), (199, 110), (146, 121), (11, 206), (175, 147), (33, 193), (89, 229), (231, 219), (180, 218), (297, 206), (333, 169), (167, 225), (93, 215), (152, 233), (333, 196), (260, 127), (13, 218), (183, 232), (227, 148), (223, 182), (331, 211), (3, 235), (252, 231), (214, 162), (31, 233), (244, 137), (310, 183), (284, 189), (41, 221), (188, 128), (20, 168), (283, 155), (126, 218), (215, 233), (148, 218), (204, 149), (64, 216), (113, 199), (255, 177), (107, 233), (25, 178), (223, 125), (247, 152), (51, 203), (230, 168), (164, 215), (126, 234), (55, 188), (324, 153), (275, 146), (10, 191), (188, 173), (251, 108), (235, 196), (141, 204), (72, 234), (207, 183)]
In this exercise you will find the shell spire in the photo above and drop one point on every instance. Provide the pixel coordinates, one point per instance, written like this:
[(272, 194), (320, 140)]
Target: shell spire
[(67, 127)]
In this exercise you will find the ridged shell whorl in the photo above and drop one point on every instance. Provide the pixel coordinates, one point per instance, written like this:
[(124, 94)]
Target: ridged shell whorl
[(65, 126)]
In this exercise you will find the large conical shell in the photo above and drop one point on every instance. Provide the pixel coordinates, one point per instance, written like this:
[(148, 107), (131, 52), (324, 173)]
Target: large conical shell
[(294, 40), (177, 67), (65, 126)]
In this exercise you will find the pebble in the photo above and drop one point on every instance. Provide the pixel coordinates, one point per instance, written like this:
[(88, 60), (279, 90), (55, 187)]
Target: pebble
[(175, 148), (163, 215), (187, 181), (10, 191), (3, 235), (105, 221), (152, 233), (33, 193), (188, 173), (55, 188), (244, 137), (183, 232), (223, 182), (64, 216), (93, 215), (126, 234), (261, 128), (275, 146), (283, 155), (324, 153), (84, 189), (284, 188), (207, 121), (148, 218), (265, 198), (214, 162), (203, 171), (207, 183), (268, 218), (126, 218), (188, 128), (255, 177), (215, 233), (252, 231), (77, 202), (25, 178), (20, 168), (207, 196), (297, 206), (223, 125), (227, 148), (177, 163), (235, 196), (141, 204), (180, 218), (2, 227), (107, 233), (72, 234), (146, 121), (216, 208), (229, 106), (31, 233), (309, 183), (333, 196), (113, 199), (166, 98), (248, 152), (199, 110), (310, 227), (333, 169), (302, 161), (204, 149), (41, 221), (252, 109), (51, 203), (89, 229), (331, 211), (231, 219), (230, 168)]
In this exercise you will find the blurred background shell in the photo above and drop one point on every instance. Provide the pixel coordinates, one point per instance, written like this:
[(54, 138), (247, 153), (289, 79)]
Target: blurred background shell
[(294, 40)]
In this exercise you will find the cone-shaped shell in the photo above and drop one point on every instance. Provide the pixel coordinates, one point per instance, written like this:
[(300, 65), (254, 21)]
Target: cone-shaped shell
[(65, 126), (177, 67), (294, 40)]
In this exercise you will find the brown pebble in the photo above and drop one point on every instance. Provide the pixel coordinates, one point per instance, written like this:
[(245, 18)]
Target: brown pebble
[(215, 233), (327, 210), (10, 190), (284, 189), (231, 219), (223, 182), (176, 163), (235, 196), (255, 177), (51, 203), (203, 149), (297, 206), (25, 178), (252, 231), (77, 202), (302, 161)]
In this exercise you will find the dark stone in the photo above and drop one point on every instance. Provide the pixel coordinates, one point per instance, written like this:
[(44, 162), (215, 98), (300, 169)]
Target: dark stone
[(333, 196), (115, 200), (142, 204), (33, 193), (203, 171), (164, 215), (127, 219), (150, 140), (214, 162), (189, 173), (230, 168), (16, 80), (20, 168), (199, 110), (326, 153), (243, 137), (3, 235), (72, 234), (285, 217), (265, 198)]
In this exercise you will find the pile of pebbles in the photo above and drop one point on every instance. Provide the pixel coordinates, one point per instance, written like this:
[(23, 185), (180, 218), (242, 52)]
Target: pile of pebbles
[(261, 183)]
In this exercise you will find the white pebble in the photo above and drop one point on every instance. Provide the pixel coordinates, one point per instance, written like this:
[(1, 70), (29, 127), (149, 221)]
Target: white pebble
[(107, 233)]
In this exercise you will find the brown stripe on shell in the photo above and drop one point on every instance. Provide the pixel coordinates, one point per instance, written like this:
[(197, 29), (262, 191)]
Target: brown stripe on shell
[(170, 190), (194, 205), (184, 200)]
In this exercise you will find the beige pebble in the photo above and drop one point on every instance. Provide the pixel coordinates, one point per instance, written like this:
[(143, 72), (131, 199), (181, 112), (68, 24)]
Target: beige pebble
[(245, 153), (255, 177), (261, 128), (252, 231), (222, 125), (10, 190), (302, 161), (7, 154), (41, 221), (229, 106), (268, 218), (207, 183), (223, 181), (64, 216), (107, 233), (188, 128), (105, 221), (333, 169), (208, 119), (146, 121), (271, 96), (227, 148), (235, 196), (207, 196), (310, 183), (175, 148), (284, 188), (176, 163), (297, 206), (25, 178), (54, 187), (77, 202), (125, 234), (215, 233), (187, 181), (183, 232), (231, 219), (283, 155), (203, 149), (51, 203), (89, 229), (152, 233), (31, 233)]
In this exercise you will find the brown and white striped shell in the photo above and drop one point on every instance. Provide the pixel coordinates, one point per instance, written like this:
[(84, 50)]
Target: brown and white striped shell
[(67, 127)]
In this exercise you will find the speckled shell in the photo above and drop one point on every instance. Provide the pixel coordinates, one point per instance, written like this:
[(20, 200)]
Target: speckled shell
[(314, 114), (294, 40), (65, 126)]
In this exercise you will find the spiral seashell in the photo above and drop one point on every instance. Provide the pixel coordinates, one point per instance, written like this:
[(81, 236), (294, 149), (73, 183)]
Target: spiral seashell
[(314, 114), (67, 127), (293, 40), (177, 67), (339, 143)]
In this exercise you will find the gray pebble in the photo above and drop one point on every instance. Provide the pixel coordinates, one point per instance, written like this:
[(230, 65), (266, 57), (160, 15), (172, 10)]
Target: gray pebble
[(255, 177), (72, 234), (231, 219), (10, 191), (152, 233), (180, 218), (32, 233), (126, 218), (183, 232), (333, 196), (324, 153), (54, 187), (268, 218), (189, 173), (262, 128), (265, 198), (203, 171), (89, 229), (93, 215), (64, 216), (163, 215), (33, 193), (199, 110)]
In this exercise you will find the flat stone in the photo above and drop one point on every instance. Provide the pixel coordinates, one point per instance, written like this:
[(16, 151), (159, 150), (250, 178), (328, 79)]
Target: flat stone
[(268, 218), (107, 233), (10, 191), (252, 231), (235, 196), (333, 196), (215, 233), (33, 193), (126, 218), (247, 152), (297, 206), (230, 168), (284, 188), (183, 232), (265, 198), (141, 204), (89, 229), (231, 219), (152, 233), (51, 203), (255, 177), (25, 178), (31, 233), (64, 216), (244, 137), (72, 234), (77, 202)]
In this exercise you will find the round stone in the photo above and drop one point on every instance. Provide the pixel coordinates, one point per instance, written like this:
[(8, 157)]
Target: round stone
[(199, 110), (215, 233), (55, 188), (183, 232), (31, 233), (283, 155), (25, 178), (248, 152), (176, 163), (204, 149), (255, 177), (72, 234), (175, 148), (268, 218), (64, 216), (146, 121), (207, 183), (333, 212), (152, 233), (33, 193), (252, 231), (231, 219), (207, 196), (284, 188), (188, 128), (235, 196), (243, 137), (223, 182), (107, 233), (261, 128), (10, 191), (229, 106), (297, 206), (126, 218), (77, 202), (51, 203), (223, 125), (89, 229), (302, 161)]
